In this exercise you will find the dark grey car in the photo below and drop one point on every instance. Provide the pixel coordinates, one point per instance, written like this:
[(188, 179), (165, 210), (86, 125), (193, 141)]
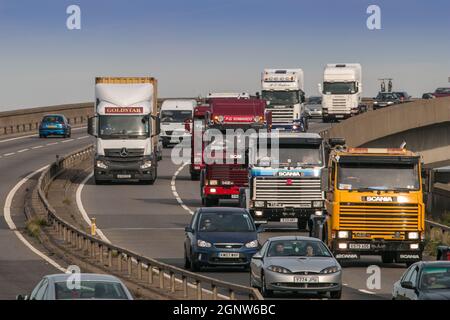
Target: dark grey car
[(424, 280)]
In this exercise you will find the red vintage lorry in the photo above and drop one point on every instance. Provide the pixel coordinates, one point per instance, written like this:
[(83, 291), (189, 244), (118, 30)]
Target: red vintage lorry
[(222, 179)]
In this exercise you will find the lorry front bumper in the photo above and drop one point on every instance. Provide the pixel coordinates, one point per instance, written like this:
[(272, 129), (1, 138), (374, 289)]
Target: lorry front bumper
[(123, 172), (403, 250), (276, 214), (221, 192)]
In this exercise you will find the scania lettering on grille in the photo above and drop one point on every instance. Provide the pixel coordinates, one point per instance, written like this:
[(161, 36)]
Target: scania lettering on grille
[(379, 199), (290, 174)]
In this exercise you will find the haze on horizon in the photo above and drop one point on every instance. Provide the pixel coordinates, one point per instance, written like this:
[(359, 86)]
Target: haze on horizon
[(196, 47)]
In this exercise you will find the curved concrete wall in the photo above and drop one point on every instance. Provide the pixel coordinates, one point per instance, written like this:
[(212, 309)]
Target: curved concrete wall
[(375, 125)]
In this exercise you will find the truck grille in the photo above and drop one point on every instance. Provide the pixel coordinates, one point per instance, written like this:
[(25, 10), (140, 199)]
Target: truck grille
[(236, 175), (338, 104), (131, 154), (288, 193), (379, 219), (282, 115)]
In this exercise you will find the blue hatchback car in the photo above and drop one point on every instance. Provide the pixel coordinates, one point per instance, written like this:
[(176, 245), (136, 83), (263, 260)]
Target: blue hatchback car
[(220, 237), (55, 125)]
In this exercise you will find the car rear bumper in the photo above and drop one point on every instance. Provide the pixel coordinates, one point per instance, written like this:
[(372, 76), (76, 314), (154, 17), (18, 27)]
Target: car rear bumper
[(53, 132)]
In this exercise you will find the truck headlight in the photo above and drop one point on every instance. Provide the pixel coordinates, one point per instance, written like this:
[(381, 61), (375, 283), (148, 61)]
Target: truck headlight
[(413, 235), (257, 118), (197, 159), (203, 244), (213, 182), (252, 244), (317, 204), (220, 118), (343, 234), (146, 165), (100, 164), (259, 203)]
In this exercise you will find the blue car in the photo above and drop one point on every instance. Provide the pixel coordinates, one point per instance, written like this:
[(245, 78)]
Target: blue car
[(220, 237), (55, 125)]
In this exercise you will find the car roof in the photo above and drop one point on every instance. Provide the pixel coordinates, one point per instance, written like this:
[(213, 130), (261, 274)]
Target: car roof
[(83, 277), (435, 263), (54, 115), (222, 210), (293, 238)]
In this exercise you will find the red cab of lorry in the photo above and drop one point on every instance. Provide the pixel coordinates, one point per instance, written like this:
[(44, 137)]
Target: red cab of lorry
[(223, 179)]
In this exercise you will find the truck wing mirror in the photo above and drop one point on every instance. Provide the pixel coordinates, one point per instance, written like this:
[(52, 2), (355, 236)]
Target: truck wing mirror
[(92, 121), (324, 180), (157, 125), (187, 125)]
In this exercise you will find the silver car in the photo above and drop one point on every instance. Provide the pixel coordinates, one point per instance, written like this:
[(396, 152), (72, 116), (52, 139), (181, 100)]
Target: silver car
[(314, 107), (82, 286), (296, 264)]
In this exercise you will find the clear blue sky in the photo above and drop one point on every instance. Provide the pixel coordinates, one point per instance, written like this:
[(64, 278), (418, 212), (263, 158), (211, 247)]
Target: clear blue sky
[(197, 46)]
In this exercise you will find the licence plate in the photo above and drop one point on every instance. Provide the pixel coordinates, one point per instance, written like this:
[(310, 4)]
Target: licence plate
[(306, 279), (228, 255), (339, 116), (359, 245), (288, 220), (234, 196), (52, 127), (124, 176)]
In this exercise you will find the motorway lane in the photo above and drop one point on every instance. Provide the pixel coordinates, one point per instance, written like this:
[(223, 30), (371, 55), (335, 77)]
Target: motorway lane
[(20, 269), (150, 221)]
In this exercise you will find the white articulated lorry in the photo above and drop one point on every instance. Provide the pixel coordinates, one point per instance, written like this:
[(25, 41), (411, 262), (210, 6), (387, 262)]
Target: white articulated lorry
[(126, 128), (341, 91), (283, 89)]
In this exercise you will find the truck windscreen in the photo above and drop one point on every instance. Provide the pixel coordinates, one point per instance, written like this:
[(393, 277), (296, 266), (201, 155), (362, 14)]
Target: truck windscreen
[(294, 155), (339, 88), (281, 97), (366, 177), (123, 127), (176, 116)]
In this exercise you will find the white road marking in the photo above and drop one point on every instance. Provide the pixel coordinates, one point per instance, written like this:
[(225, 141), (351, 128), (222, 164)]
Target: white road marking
[(366, 291), (23, 150), (65, 141), (34, 135), (52, 144), (37, 147), (174, 190), (104, 238), (12, 226), (138, 229), (83, 137), (83, 211), (9, 154)]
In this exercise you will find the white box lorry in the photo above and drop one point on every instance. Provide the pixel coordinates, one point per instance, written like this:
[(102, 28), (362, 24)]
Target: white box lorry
[(126, 128)]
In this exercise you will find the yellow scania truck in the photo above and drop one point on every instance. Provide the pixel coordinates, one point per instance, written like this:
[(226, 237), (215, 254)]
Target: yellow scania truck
[(374, 204)]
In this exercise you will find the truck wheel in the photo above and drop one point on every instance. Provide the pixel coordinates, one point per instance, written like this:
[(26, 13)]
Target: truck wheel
[(301, 225), (211, 202), (195, 176), (242, 199), (387, 257)]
